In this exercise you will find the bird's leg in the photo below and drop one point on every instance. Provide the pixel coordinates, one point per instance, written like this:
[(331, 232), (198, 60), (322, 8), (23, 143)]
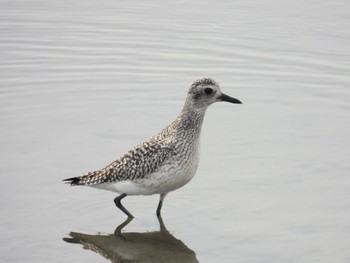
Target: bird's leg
[(162, 227), (162, 196), (120, 206), (118, 230)]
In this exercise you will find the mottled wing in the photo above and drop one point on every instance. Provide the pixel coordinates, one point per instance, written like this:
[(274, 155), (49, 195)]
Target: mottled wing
[(137, 163)]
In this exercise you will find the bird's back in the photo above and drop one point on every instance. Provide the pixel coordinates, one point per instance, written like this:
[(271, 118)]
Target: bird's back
[(167, 160)]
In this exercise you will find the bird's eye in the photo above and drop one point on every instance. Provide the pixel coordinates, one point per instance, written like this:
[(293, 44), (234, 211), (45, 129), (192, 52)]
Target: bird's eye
[(208, 91)]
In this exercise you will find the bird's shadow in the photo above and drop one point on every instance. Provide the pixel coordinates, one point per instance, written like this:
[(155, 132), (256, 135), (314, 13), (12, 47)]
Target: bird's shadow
[(157, 246)]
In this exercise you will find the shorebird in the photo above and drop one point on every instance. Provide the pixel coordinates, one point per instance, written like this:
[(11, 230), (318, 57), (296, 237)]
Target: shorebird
[(165, 161)]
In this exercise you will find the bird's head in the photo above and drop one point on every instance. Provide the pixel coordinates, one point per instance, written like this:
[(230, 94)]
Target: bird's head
[(206, 91)]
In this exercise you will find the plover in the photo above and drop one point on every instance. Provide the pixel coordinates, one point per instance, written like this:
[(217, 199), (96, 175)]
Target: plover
[(167, 160)]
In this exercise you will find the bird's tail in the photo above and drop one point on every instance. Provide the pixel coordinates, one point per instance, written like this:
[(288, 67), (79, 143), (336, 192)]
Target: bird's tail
[(74, 181), (90, 178)]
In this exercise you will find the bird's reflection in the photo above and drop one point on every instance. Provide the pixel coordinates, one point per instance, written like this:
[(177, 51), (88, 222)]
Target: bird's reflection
[(157, 246)]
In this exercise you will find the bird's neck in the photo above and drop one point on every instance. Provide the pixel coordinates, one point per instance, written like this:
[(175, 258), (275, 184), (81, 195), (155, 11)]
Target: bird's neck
[(191, 118)]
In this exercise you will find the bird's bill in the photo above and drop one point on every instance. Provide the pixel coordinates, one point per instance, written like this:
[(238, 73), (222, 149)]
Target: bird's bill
[(227, 98)]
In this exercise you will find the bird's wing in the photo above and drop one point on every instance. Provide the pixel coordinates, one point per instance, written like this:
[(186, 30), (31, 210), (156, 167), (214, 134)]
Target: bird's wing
[(137, 163)]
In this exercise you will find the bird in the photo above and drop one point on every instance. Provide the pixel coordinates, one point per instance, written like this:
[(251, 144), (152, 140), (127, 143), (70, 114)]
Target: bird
[(167, 160)]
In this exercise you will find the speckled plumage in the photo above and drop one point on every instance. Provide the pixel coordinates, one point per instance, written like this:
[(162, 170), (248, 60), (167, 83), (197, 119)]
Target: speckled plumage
[(167, 160)]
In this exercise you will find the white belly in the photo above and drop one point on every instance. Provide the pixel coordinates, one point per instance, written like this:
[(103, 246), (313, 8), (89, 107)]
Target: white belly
[(169, 177)]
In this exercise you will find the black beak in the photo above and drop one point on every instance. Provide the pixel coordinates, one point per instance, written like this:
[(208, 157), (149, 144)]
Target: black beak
[(227, 98)]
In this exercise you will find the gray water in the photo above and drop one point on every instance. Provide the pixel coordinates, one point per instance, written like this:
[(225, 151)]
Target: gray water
[(82, 82)]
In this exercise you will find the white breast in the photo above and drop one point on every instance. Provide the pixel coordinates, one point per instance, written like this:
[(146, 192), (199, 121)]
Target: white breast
[(173, 174)]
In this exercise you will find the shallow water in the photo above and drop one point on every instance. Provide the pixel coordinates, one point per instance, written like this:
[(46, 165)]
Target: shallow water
[(81, 83)]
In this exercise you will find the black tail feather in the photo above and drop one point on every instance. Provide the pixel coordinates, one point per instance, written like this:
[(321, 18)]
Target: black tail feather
[(73, 180)]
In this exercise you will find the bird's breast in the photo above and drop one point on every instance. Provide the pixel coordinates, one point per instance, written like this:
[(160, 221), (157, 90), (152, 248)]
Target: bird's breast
[(179, 169)]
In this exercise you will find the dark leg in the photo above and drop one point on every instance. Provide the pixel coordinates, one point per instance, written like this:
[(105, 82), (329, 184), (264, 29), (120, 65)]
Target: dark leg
[(162, 227), (121, 207), (118, 230), (162, 196)]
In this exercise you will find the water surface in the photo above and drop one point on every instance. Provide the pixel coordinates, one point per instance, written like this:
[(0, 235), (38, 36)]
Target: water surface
[(83, 82)]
